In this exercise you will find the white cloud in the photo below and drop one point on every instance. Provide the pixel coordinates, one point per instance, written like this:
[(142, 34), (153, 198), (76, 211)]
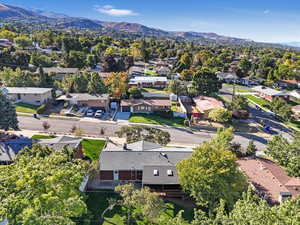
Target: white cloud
[(267, 11), (112, 11)]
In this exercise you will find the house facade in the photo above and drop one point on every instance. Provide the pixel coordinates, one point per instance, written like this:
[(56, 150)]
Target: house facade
[(29, 95), (148, 82), (85, 99), (142, 163), (269, 94), (145, 105), (205, 105)]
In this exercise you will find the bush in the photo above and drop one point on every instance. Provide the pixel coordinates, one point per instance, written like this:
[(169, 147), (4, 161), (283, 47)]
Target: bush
[(164, 114), (41, 109)]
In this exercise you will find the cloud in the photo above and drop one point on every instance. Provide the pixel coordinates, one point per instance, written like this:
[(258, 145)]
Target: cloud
[(112, 11), (267, 11)]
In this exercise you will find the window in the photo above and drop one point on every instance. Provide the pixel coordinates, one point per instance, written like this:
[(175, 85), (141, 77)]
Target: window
[(155, 172), (170, 173)]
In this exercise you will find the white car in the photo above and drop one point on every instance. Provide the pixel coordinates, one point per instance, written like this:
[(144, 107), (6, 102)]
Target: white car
[(90, 112), (98, 114)]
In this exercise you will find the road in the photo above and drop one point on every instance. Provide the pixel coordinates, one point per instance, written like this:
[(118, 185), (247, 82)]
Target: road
[(180, 136)]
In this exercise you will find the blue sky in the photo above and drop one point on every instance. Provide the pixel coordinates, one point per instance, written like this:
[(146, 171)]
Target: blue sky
[(259, 20)]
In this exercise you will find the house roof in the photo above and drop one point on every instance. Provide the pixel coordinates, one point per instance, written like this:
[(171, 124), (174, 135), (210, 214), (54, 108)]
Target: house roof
[(296, 109), (10, 148), (162, 176), (204, 103), (60, 70), (269, 178), (59, 143), (228, 75), (128, 160), (82, 97), (269, 91), (295, 93), (155, 95), (148, 79), (27, 90), (152, 102)]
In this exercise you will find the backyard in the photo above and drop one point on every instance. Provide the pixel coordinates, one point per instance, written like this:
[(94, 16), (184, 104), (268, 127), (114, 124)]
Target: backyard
[(97, 202), (26, 108), (154, 119)]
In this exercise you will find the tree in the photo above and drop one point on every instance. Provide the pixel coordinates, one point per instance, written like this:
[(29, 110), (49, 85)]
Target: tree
[(239, 102), (186, 75), (46, 125), (138, 133), (205, 83), (211, 173), (95, 85), (117, 84), (220, 115), (109, 64), (140, 203), (42, 187), (280, 107), (135, 92), (75, 59), (251, 149), (176, 87), (8, 118), (23, 42), (91, 61), (245, 65)]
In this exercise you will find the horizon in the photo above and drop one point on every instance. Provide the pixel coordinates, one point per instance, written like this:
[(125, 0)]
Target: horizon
[(269, 21)]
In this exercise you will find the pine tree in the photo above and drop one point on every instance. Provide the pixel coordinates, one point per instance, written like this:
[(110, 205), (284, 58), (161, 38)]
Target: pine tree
[(8, 118)]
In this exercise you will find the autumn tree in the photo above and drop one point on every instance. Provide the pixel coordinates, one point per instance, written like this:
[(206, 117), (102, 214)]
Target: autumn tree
[(117, 84), (42, 187), (220, 115), (211, 173)]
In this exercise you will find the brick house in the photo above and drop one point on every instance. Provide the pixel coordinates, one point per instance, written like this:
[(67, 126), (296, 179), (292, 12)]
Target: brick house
[(142, 163), (148, 82), (85, 99), (270, 180), (145, 105), (269, 94)]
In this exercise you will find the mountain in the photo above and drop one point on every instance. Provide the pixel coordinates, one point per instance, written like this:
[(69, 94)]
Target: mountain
[(292, 44), (52, 20)]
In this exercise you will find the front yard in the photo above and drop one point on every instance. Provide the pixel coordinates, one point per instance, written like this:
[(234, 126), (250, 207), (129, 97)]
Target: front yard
[(92, 148), (154, 119), (260, 101), (26, 108), (155, 90)]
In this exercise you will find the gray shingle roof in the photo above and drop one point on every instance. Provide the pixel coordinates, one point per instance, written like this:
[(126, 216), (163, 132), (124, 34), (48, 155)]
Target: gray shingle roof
[(269, 91), (162, 177), (27, 90), (59, 143), (10, 148), (128, 160), (82, 97), (60, 70)]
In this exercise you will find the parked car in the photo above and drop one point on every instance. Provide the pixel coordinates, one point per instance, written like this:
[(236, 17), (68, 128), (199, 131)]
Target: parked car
[(90, 112), (98, 113)]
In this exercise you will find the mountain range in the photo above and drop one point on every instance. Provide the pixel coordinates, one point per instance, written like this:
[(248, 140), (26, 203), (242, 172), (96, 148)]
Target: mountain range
[(10, 13)]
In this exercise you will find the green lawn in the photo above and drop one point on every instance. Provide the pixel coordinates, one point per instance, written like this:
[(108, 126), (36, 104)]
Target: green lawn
[(97, 203), (153, 119), (259, 101), (295, 125), (41, 136), (92, 148), (150, 72), (293, 102), (26, 108), (243, 91)]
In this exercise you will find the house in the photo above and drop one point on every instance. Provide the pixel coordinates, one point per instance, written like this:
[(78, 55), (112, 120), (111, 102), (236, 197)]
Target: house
[(5, 43), (269, 179), (143, 163), (137, 70), (11, 147), (155, 95), (288, 83), (85, 99), (145, 105), (61, 142), (295, 94), (227, 77), (204, 105), (250, 81), (60, 72), (148, 82), (163, 70), (29, 95), (187, 106), (296, 110), (269, 94)]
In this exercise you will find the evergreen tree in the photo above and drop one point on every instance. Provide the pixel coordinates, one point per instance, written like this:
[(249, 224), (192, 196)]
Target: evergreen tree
[(8, 116)]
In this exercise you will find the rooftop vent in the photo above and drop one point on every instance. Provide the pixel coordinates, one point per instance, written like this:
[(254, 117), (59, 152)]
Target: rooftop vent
[(155, 172)]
